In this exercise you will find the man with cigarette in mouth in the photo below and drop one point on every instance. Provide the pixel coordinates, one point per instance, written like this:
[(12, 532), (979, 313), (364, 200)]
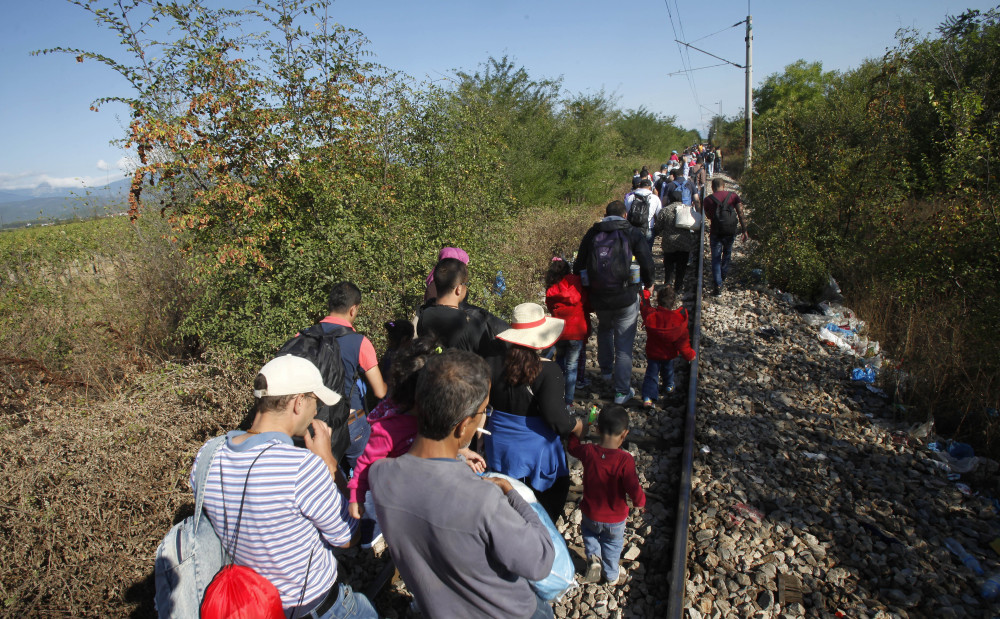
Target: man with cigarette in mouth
[(465, 546)]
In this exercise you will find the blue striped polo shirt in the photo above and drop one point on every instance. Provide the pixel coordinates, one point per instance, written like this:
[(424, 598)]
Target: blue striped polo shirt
[(292, 509)]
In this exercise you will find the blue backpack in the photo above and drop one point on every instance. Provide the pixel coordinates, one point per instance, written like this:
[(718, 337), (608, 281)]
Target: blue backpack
[(685, 189)]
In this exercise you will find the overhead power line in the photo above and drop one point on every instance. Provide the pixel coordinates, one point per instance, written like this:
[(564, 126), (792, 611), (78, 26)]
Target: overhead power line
[(721, 64), (685, 59), (712, 55), (739, 23)]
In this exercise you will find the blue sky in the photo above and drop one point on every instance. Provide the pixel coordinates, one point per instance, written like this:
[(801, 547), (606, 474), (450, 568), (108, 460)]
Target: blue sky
[(50, 135)]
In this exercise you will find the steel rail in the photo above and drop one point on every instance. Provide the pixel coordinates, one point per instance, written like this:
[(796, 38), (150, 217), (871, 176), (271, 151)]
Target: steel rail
[(678, 576)]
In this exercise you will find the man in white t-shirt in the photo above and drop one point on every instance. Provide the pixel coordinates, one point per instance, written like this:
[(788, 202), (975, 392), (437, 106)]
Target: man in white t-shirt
[(645, 193)]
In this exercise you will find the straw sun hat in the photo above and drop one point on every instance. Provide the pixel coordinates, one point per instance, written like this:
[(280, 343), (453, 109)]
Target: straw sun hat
[(530, 327)]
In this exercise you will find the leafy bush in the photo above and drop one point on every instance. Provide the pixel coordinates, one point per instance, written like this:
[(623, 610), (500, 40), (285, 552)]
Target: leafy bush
[(285, 161), (886, 182)]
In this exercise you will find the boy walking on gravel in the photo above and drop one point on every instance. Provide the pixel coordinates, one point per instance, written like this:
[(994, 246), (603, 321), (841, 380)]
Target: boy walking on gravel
[(608, 477)]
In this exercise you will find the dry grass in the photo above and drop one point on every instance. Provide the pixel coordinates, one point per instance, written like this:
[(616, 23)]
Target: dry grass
[(89, 488), (556, 231), (93, 319), (951, 372)]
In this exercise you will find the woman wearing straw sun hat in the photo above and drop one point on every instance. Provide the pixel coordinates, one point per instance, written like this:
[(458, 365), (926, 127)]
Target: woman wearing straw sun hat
[(529, 414)]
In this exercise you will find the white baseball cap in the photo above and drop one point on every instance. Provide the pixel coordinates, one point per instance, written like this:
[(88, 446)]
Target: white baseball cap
[(291, 375)]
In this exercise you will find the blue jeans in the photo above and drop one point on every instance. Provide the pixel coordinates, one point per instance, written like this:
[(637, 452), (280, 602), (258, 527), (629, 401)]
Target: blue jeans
[(349, 605), (722, 249), (656, 370), (615, 337), (604, 540), (568, 358), (360, 431)]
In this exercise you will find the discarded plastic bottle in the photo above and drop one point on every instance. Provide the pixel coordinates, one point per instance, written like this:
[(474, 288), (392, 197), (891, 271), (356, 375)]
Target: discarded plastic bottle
[(991, 587), (960, 552), (499, 284), (864, 375)]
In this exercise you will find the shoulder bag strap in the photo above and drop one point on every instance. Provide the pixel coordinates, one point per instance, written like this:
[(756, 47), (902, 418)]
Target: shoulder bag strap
[(239, 516), (201, 475)]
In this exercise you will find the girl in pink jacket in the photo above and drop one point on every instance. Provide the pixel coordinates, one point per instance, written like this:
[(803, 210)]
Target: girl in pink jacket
[(394, 422)]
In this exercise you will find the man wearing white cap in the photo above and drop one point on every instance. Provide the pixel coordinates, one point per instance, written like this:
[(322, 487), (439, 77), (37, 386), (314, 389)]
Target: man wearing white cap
[(277, 508)]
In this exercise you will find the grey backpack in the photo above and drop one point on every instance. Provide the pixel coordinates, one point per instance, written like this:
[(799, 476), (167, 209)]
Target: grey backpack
[(191, 554)]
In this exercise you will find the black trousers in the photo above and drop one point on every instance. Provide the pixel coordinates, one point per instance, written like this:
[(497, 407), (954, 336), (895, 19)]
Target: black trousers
[(676, 262)]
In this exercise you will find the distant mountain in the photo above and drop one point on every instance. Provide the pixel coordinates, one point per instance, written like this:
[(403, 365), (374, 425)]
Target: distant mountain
[(47, 202), (45, 190)]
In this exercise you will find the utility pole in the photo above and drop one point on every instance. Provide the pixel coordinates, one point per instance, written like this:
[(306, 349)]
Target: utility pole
[(718, 123), (748, 110)]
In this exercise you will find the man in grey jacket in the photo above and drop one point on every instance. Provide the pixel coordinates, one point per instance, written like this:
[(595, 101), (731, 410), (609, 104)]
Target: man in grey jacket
[(465, 546)]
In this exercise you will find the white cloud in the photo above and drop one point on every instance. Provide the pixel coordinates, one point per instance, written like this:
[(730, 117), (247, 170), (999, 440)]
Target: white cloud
[(126, 164), (110, 172), (30, 180)]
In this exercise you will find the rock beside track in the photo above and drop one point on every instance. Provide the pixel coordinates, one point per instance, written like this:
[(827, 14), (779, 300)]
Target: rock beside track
[(807, 498)]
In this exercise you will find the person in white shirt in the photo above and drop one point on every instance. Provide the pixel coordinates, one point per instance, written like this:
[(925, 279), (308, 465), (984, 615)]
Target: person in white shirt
[(644, 193)]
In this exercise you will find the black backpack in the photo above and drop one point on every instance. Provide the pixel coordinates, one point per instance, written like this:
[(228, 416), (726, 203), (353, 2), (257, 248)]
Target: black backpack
[(609, 260), (726, 217), (323, 349), (660, 183), (638, 213)]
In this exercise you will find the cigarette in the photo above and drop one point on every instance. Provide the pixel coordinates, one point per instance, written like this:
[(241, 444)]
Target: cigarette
[(484, 431)]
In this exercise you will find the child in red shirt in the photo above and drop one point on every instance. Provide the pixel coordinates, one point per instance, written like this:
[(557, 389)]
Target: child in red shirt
[(666, 338), (566, 298), (608, 476)]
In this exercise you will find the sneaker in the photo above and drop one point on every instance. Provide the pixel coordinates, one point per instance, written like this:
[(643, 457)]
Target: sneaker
[(621, 398), (716, 291), (582, 383), (612, 583), (593, 574), (647, 403)]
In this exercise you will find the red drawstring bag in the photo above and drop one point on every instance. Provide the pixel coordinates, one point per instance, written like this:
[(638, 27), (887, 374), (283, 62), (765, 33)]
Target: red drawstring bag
[(238, 592)]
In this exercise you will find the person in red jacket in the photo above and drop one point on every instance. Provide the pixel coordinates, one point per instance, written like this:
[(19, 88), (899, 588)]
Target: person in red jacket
[(666, 338), (566, 298)]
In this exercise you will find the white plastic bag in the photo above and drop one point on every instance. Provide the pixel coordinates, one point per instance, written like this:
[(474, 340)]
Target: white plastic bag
[(831, 339), (687, 218), (562, 578)]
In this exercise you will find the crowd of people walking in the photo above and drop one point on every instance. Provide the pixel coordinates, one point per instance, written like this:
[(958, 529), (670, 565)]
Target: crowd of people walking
[(460, 392)]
